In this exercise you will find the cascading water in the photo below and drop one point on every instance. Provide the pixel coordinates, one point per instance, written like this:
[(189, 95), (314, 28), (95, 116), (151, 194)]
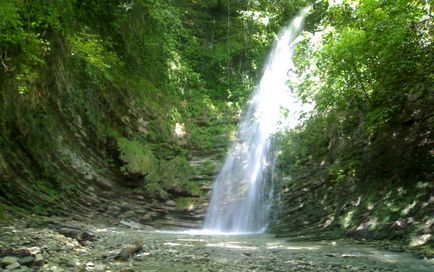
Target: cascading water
[(241, 196)]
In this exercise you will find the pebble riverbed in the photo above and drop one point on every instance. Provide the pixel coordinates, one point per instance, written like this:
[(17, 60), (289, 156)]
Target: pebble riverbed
[(188, 251)]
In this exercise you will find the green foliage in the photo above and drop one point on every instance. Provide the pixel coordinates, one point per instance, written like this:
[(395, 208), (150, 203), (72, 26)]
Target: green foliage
[(111, 80), (360, 86), (175, 170), (40, 209), (50, 193), (155, 190), (90, 48), (368, 69), (162, 175), (175, 174), (186, 202), (25, 28), (138, 158)]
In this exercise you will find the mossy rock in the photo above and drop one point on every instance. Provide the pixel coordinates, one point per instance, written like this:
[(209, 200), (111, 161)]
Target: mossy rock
[(138, 158), (49, 192), (187, 202)]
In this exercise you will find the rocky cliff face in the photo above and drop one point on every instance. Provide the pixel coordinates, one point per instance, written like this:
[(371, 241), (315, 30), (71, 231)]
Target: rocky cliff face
[(99, 155), (388, 198), (100, 118)]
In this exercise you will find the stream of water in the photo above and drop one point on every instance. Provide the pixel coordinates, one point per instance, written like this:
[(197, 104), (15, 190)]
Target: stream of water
[(241, 195), (169, 251)]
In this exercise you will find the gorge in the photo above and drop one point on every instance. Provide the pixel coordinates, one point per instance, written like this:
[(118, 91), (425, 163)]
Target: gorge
[(116, 117)]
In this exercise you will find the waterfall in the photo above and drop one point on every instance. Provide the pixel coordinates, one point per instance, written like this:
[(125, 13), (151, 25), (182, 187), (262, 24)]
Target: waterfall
[(241, 195)]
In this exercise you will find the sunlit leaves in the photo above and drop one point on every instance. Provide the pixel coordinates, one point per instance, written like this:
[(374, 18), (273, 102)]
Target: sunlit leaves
[(138, 158), (360, 67), (91, 49)]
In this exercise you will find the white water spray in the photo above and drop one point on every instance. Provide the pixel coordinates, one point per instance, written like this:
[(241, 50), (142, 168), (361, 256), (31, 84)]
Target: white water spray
[(241, 196)]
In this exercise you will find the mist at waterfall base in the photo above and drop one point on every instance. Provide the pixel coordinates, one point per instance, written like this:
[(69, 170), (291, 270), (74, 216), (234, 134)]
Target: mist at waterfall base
[(241, 194)]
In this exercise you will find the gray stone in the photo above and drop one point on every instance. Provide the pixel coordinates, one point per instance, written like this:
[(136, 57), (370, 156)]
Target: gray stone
[(23, 269), (26, 260), (9, 260), (170, 203), (139, 197), (132, 224), (13, 266), (39, 259), (100, 267), (78, 234), (90, 266), (34, 250), (55, 268), (73, 263), (128, 250)]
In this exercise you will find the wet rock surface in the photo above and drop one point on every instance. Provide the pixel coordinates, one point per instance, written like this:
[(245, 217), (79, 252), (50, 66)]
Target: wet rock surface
[(120, 248)]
